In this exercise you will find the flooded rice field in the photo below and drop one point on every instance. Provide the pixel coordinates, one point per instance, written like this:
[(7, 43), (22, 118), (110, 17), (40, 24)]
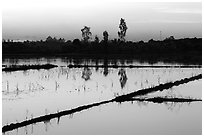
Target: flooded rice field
[(28, 95)]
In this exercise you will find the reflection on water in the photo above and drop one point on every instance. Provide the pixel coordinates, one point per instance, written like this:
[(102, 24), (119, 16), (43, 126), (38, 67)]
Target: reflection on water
[(32, 93), (86, 73), (64, 61), (123, 77)]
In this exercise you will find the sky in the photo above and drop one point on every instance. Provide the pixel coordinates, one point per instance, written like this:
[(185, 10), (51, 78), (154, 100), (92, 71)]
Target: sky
[(37, 19)]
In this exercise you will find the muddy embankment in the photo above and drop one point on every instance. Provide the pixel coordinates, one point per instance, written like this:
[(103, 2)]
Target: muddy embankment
[(27, 67), (50, 66)]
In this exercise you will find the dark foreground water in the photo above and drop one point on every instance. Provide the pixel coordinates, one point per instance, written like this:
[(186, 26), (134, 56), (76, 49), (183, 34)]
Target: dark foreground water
[(33, 93)]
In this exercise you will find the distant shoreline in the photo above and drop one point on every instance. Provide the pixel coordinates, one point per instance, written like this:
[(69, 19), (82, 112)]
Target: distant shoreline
[(140, 58), (186, 51)]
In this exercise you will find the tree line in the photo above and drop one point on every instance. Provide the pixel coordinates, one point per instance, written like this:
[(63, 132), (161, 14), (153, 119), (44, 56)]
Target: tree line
[(184, 50)]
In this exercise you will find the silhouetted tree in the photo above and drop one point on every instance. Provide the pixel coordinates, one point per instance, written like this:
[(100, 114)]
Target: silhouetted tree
[(54, 39), (170, 38), (68, 41), (123, 28), (9, 40), (105, 36), (96, 39), (141, 42), (49, 39), (151, 41), (76, 42), (61, 40), (105, 41), (86, 34)]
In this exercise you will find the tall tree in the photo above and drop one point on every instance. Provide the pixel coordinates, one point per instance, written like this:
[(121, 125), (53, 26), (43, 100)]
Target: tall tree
[(86, 34), (123, 28), (105, 36)]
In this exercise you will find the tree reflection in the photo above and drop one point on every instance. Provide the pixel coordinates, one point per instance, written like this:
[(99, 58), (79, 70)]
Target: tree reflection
[(96, 65), (86, 73), (105, 72), (123, 77)]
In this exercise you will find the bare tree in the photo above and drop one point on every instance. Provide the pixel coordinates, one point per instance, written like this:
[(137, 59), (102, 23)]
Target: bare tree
[(86, 34), (123, 28)]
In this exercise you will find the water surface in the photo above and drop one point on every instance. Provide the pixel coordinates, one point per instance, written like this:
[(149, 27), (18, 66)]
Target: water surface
[(32, 93)]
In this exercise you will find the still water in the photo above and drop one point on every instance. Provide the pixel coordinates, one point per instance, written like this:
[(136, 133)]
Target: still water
[(33, 93)]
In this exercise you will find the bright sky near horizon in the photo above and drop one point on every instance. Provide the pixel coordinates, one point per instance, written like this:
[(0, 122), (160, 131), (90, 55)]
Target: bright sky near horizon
[(37, 19)]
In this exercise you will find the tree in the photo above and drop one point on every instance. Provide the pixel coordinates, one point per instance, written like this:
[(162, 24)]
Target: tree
[(141, 42), (86, 34), (105, 36), (54, 39), (76, 42), (171, 38), (49, 39), (62, 40), (151, 41), (123, 28), (96, 39)]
